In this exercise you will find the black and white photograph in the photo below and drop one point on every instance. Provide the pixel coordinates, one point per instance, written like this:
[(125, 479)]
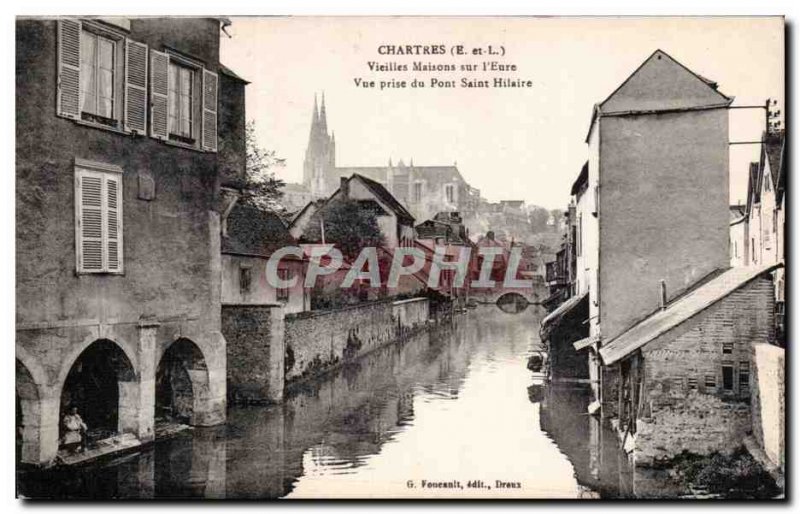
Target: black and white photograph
[(400, 257)]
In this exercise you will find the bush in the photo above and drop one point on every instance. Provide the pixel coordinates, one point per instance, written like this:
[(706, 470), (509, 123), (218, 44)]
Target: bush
[(737, 475)]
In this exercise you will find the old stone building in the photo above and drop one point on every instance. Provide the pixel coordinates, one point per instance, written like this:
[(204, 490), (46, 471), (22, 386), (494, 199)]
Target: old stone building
[(685, 373), (127, 129), (252, 237), (652, 201)]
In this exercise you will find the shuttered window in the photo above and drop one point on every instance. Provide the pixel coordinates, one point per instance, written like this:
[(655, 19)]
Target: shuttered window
[(69, 68), (103, 79), (210, 94), (102, 76), (184, 97), (159, 94), (136, 87), (98, 214)]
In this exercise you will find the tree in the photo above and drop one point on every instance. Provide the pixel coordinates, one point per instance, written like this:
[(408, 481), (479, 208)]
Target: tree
[(538, 218), (347, 223), (261, 189)]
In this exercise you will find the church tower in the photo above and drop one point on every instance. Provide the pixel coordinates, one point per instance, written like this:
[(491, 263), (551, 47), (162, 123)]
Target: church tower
[(320, 160)]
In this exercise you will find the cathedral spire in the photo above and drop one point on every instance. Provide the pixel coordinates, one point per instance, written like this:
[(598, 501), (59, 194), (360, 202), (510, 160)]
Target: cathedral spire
[(323, 117)]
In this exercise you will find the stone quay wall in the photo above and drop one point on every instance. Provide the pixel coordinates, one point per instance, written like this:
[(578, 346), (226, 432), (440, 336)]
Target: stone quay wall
[(768, 401), (319, 340)]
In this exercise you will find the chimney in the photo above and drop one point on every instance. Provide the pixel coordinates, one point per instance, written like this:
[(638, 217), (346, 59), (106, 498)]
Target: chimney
[(662, 289), (344, 186)]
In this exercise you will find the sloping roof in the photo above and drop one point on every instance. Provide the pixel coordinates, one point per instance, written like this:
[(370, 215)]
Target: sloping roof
[(583, 178), (431, 229), (564, 308), (660, 83), (254, 232), (753, 189), (737, 212), (773, 148), (663, 83), (586, 342), (680, 310), (386, 197), (229, 72)]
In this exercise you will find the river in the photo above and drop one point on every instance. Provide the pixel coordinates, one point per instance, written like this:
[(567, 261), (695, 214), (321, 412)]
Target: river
[(453, 412)]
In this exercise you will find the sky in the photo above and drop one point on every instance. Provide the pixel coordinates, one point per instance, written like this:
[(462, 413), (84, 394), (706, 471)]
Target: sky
[(523, 143)]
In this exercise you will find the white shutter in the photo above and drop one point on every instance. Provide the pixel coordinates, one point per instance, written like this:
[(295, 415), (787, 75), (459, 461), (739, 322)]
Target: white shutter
[(113, 223), (159, 94), (89, 214), (210, 89), (135, 86), (98, 210), (68, 97)]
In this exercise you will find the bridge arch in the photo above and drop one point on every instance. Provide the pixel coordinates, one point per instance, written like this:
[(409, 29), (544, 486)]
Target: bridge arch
[(512, 302)]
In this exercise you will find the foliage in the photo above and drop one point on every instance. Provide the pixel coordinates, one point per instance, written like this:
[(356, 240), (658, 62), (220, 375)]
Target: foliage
[(348, 225), (262, 189), (737, 475)]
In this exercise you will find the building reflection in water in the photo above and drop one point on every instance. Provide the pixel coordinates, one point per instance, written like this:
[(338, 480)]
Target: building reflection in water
[(377, 419)]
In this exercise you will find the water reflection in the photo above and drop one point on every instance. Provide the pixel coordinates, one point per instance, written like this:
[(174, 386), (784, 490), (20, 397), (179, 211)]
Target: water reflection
[(457, 404)]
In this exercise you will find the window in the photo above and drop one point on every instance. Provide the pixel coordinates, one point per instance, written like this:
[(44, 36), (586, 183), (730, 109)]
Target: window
[(102, 76), (98, 215), (579, 240), (417, 193), (753, 250), (181, 102), (744, 376), (245, 279), (727, 348), (98, 64), (449, 193), (692, 384), (711, 382), (282, 293), (727, 377)]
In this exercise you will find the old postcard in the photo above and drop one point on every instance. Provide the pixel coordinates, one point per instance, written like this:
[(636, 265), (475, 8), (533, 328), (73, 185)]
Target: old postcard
[(400, 257)]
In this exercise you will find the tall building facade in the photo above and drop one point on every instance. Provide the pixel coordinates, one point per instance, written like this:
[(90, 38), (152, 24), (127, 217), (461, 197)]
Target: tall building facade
[(124, 333)]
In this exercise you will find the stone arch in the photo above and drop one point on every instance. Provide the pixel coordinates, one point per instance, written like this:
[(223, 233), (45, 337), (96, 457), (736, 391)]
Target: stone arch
[(512, 302), (28, 414), (183, 383), (77, 350), (102, 383)]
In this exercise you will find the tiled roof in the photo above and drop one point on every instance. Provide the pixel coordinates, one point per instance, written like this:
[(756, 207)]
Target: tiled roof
[(252, 231), (680, 310), (385, 196)]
